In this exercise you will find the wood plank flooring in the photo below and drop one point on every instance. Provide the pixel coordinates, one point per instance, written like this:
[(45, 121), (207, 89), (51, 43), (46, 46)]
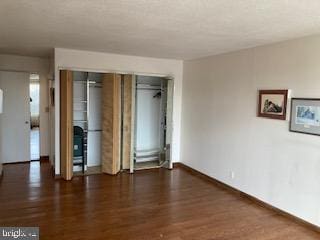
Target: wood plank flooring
[(151, 204)]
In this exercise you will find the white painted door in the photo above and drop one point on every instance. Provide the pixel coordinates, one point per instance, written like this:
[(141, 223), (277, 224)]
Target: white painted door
[(15, 119)]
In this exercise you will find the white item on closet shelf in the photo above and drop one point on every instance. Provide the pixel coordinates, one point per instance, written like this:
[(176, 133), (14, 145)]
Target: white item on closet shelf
[(148, 155)]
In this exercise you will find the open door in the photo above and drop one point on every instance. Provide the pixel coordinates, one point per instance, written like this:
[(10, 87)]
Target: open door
[(66, 124), (128, 100), (15, 118), (168, 125), (111, 114)]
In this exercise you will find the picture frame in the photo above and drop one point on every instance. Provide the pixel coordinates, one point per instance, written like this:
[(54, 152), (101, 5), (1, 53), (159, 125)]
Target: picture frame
[(273, 104), (305, 116)]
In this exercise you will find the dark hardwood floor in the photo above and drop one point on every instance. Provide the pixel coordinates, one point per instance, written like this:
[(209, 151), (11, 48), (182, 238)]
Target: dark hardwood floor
[(151, 204)]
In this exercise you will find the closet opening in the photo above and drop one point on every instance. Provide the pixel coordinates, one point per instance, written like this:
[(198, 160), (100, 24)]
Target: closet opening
[(87, 122), (152, 122), (112, 122)]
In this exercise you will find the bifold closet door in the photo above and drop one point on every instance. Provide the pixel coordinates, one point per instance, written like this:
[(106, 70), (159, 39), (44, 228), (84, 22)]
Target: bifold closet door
[(66, 124), (111, 112), (128, 121), (169, 124)]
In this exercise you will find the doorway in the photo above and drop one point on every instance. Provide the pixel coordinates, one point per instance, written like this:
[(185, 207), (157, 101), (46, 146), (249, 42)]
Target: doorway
[(153, 122), (15, 118), (34, 117)]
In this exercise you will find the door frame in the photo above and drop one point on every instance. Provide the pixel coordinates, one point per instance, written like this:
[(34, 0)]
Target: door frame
[(169, 164), (39, 113), (133, 121)]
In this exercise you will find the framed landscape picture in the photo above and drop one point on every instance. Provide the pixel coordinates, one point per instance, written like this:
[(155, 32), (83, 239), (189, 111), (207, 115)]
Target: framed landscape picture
[(273, 104), (305, 115)]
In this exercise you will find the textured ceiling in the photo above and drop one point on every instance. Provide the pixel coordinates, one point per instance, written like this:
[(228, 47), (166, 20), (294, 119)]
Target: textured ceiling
[(180, 29)]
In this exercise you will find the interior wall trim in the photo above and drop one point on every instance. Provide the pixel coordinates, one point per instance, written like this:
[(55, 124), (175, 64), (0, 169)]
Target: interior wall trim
[(150, 74), (41, 159), (18, 162), (241, 194), (54, 175), (44, 158)]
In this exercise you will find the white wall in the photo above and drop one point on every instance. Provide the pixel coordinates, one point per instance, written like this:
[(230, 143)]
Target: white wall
[(102, 62), (40, 66), (221, 133)]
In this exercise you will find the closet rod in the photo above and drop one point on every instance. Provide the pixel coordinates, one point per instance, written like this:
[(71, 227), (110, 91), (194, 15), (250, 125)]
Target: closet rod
[(93, 81), (158, 89), (85, 82)]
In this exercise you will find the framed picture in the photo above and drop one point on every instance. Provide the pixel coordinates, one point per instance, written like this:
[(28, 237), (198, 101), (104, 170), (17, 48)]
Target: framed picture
[(273, 104), (305, 115)]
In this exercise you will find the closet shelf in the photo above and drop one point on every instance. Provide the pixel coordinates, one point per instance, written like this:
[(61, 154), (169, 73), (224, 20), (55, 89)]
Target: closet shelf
[(77, 163), (81, 121), (91, 83)]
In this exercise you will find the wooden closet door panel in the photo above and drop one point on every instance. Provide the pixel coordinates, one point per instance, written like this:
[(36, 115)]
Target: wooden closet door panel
[(116, 122), (66, 124), (127, 121), (110, 152)]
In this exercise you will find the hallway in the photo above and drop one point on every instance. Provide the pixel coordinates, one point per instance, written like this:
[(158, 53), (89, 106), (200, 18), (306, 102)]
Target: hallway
[(34, 144)]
